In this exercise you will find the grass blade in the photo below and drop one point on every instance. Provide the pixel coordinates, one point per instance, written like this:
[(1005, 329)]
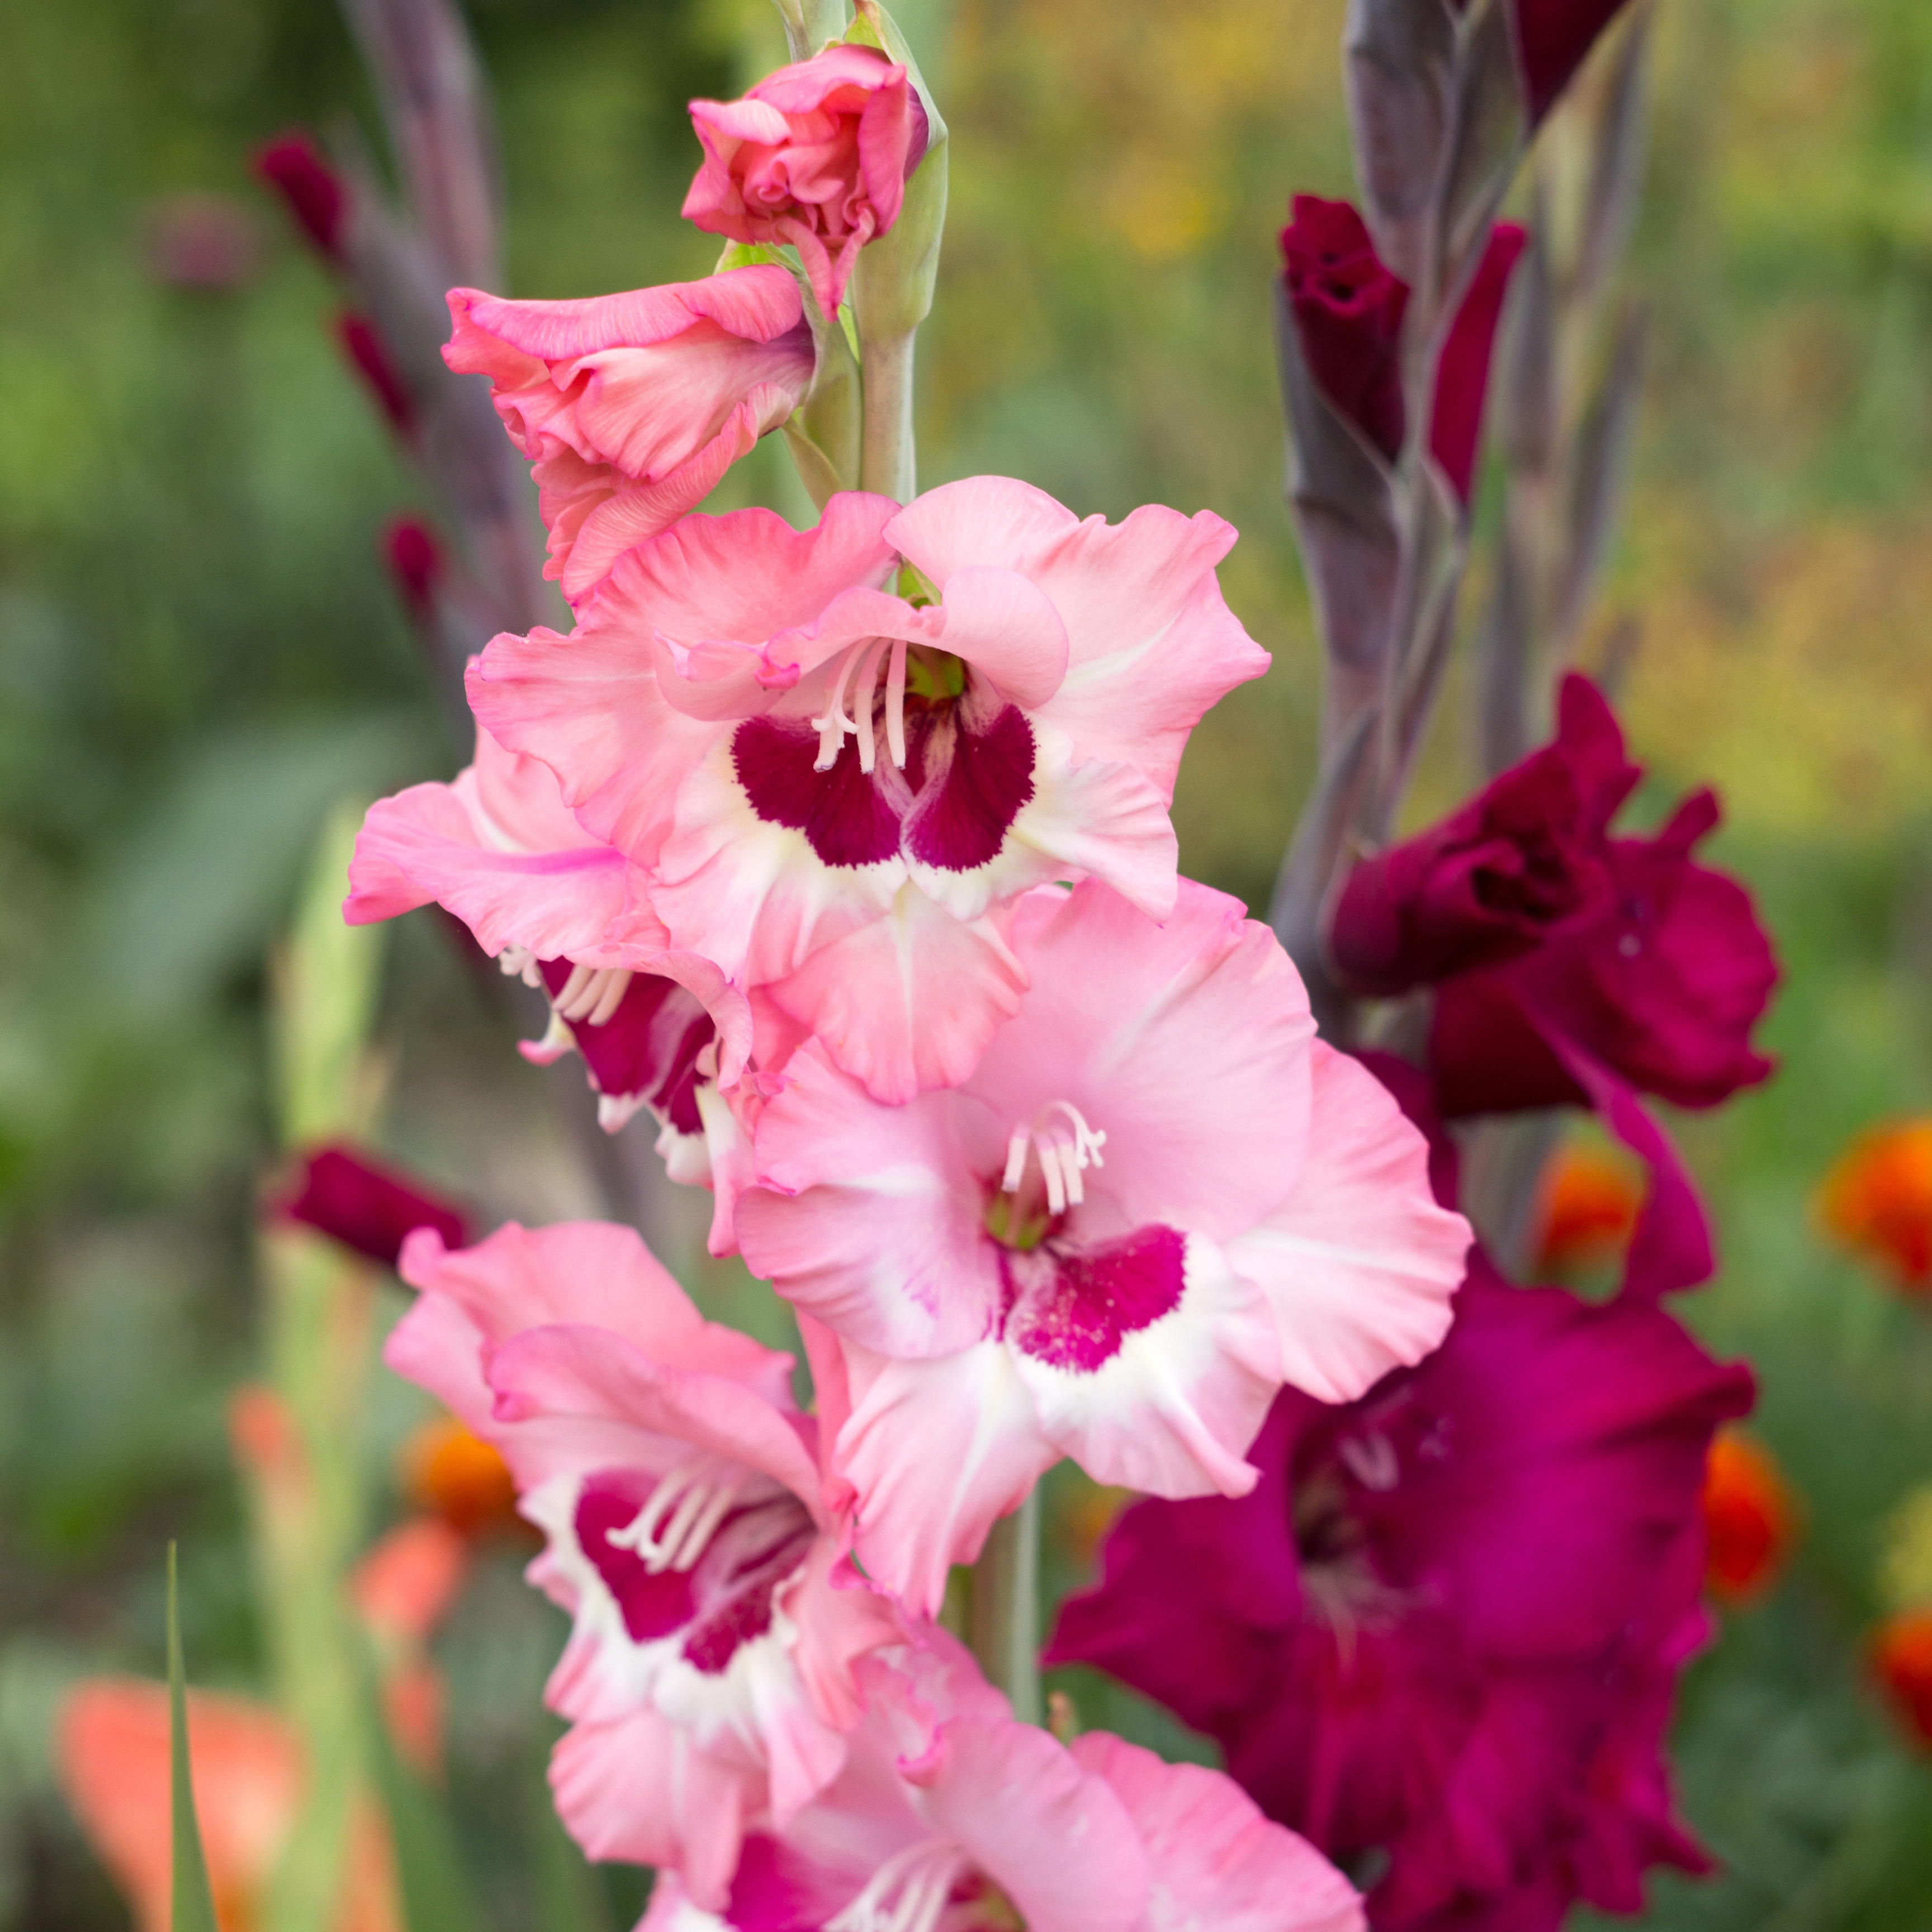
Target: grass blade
[(193, 1898)]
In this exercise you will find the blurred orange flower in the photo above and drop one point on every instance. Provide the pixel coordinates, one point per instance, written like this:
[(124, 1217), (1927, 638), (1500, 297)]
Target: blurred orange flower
[(1750, 1518), (455, 1475), (1588, 1204), (1878, 1200), (112, 1749), (1901, 1660)]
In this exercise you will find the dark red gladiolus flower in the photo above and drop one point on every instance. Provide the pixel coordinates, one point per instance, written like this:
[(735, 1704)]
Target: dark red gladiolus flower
[(1552, 39), (307, 185), (1663, 989), (1525, 858), (1447, 1623), (1462, 372), (1348, 316), (346, 1196), (414, 559), (371, 356)]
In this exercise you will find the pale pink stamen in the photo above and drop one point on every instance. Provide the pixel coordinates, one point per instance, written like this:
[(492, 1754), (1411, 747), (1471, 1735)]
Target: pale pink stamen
[(1062, 1161), (908, 1893), (834, 724), (592, 994), (680, 1516)]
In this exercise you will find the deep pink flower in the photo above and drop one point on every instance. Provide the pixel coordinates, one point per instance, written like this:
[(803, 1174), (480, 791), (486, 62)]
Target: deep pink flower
[(949, 1814), (1348, 309), (1552, 39), (708, 1673), (1015, 713), (816, 155), (498, 848), (631, 406), (1157, 1197), (1448, 1621), (1526, 858), (309, 187), (367, 1206)]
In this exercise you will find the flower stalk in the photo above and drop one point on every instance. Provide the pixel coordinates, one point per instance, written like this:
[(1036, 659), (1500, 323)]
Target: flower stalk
[(1003, 1624)]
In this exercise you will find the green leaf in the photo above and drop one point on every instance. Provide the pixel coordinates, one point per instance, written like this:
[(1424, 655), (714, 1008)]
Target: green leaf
[(193, 1898), (430, 1874)]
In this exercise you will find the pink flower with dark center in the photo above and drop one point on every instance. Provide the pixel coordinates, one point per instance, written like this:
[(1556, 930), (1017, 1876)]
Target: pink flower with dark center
[(817, 156), (949, 1814), (368, 1207), (716, 1622), (838, 755), (1447, 1624), (1156, 1198), (1349, 309), (498, 848), (631, 406)]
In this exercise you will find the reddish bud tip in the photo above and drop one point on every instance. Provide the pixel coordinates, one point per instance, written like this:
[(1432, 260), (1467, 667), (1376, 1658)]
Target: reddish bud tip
[(291, 165), (414, 559), (371, 354), (368, 1208)]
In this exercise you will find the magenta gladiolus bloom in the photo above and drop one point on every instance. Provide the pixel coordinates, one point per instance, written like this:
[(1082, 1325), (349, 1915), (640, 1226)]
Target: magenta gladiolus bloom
[(631, 406), (371, 1208), (1157, 1198), (816, 155), (1447, 1624), (835, 772), (1348, 310), (951, 1817), (716, 1622)]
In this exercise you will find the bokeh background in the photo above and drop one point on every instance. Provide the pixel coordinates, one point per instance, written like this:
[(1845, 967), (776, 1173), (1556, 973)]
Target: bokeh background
[(199, 655)]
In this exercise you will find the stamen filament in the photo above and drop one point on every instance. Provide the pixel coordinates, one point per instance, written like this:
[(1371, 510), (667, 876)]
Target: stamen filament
[(895, 684), (861, 704), (682, 1514), (1062, 1161), (908, 1893)]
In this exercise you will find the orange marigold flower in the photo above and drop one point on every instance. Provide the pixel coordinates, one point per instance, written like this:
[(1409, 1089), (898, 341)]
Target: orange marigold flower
[(1878, 1200), (1901, 1660), (453, 1474), (1588, 1205), (1749, 1518)]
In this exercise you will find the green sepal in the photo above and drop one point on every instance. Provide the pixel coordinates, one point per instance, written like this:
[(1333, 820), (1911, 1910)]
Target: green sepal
[(192, 1897)]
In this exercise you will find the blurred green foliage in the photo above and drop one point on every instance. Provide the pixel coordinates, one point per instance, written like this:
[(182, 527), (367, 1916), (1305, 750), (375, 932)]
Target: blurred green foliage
[(199, 657)]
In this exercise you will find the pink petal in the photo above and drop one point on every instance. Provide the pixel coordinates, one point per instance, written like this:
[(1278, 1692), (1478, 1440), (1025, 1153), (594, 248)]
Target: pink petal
[(936, 1451), (1359, 1263), (910, 1001), (869, 1218), (982, 520), (1003, 625), (1168, 1407), (1187, 1044), (586, 1376), (1057, 1840), (641, 1790), (1216, 1861)]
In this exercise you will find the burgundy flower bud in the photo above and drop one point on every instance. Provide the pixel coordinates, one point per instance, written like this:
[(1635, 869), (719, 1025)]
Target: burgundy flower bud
[(1552, 39), (1462, 372), (307, 185), (415, 560), (1664, 987), (369, 354), (371, 1209), (1348, 309), (1526, 856)]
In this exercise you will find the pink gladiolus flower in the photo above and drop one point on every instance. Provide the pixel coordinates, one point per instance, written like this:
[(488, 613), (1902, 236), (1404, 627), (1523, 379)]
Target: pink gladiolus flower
[(950, 1814), (631, 406), (835, 790), (498, 848), (708, 1671), (1449, 1619), (1157, 1198), (817, 155)]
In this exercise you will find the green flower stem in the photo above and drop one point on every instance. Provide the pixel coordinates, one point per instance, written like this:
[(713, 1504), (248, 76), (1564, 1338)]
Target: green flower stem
[(886, 462), (1003, 1626)]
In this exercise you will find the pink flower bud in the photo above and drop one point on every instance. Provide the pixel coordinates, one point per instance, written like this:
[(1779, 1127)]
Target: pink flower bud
[(816, 155), (342, 1194), (415, 560), (369, 354)]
